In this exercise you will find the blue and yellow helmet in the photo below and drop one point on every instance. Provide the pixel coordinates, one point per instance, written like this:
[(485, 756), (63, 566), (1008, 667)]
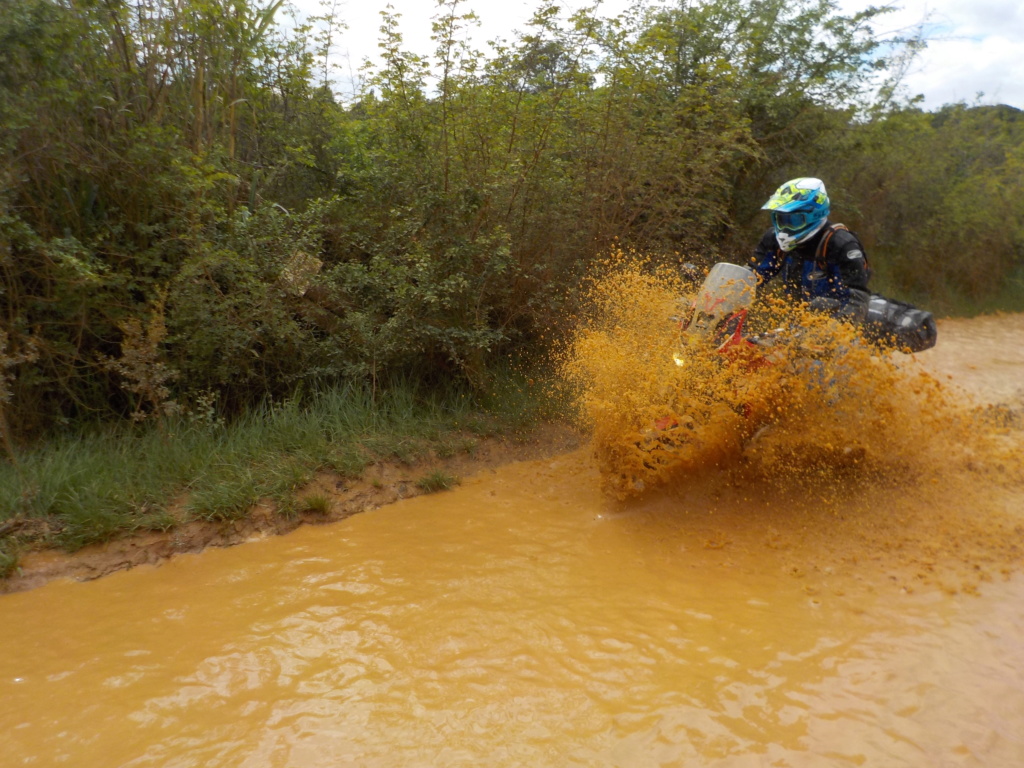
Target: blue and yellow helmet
[(798, 209)]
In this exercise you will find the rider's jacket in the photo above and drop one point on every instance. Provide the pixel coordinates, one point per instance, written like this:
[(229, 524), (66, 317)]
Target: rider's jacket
[(827, 266)]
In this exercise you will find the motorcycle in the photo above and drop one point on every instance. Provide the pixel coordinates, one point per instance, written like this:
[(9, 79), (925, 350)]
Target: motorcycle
[(736, 381), (719, 312)]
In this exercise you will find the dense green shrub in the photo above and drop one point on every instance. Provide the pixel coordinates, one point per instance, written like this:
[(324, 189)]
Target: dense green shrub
[(188, 216), (938, 200)]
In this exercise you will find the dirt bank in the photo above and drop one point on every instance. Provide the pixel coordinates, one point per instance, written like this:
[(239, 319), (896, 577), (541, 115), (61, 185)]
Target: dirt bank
[(381, 484)]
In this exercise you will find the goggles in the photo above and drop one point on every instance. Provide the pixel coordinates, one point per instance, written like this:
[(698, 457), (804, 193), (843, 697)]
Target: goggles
[(793, 223)]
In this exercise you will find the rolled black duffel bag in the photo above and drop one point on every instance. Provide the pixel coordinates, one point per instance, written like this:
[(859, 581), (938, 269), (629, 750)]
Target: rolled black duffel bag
[(899, 325)]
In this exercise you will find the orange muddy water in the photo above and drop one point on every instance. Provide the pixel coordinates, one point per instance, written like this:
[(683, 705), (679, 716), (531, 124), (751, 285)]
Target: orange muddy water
[(528, 618)]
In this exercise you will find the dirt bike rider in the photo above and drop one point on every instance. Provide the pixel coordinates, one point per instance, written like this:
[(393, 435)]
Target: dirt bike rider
[(821, 263)]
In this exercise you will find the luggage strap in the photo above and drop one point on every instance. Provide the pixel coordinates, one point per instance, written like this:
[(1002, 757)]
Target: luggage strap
[(819, 254)]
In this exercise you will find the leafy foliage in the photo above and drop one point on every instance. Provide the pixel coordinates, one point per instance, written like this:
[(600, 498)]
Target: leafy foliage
[(188, 215), (937, 199)]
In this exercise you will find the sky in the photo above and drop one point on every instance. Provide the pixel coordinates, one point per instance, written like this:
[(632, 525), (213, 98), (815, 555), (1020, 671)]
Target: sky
[(975, 46)]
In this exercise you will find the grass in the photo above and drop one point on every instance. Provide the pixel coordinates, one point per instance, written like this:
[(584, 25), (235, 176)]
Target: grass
[(96, 486), (317, 504), (8, 559), (438, 480), (952, 301)]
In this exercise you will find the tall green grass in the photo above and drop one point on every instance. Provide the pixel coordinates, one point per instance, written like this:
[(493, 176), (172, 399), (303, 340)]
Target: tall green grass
[(99, 485), (952, 302)]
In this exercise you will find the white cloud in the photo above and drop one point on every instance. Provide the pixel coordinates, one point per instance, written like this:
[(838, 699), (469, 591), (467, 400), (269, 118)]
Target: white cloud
[(960, 69), (974, 46), (983, 18)]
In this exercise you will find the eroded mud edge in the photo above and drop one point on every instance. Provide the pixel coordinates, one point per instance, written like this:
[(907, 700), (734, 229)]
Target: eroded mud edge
[(381, 484)]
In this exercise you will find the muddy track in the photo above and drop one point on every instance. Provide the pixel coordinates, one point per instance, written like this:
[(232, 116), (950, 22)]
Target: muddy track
[(980, 357)]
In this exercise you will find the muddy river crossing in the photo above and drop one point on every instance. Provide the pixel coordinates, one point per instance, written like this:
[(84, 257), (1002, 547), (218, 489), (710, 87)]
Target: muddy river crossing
[(528, 619)]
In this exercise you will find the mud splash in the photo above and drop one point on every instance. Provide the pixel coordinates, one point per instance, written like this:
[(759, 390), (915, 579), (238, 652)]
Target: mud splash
[(816, 431)]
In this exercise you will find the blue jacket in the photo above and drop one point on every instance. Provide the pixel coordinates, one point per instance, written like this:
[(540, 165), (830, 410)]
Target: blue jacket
[(808, 274)]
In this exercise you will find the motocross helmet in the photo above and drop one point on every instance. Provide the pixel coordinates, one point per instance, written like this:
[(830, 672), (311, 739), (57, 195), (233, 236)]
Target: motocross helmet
[(798, 209)]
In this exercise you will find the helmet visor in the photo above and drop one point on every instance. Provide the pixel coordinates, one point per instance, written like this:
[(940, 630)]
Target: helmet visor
[(792, 223)]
